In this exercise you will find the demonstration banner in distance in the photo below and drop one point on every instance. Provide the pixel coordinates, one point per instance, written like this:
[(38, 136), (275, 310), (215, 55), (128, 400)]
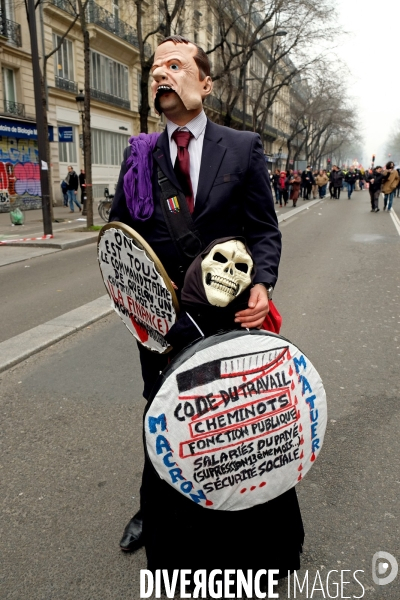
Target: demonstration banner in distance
[(239, 419), (139, 287)]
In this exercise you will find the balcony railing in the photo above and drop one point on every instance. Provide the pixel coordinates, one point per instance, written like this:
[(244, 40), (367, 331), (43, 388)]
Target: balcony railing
[(66, 84), (109, 98), (14, 108), (12, 31), (103, 18), (68, 5), (98, 15)]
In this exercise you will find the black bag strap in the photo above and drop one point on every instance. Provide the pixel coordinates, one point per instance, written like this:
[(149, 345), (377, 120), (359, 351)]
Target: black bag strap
[(179, 221)]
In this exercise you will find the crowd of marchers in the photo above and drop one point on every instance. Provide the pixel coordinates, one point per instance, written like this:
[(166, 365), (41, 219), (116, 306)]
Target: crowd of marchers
[(313, 184)]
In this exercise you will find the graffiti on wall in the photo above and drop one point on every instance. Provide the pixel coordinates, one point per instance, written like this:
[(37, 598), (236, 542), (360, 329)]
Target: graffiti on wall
[(19, 174)]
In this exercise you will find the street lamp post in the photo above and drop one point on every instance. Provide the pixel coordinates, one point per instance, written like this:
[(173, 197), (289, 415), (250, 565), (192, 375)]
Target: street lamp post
[(244, 100), (279, 157), (88, 204)]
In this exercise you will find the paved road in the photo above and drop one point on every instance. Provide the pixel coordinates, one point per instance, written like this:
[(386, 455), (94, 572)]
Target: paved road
[(45, 287), (71, 441)]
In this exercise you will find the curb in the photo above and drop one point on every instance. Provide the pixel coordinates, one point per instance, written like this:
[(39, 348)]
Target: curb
[(298, 210), (24, 345), (57, 245)]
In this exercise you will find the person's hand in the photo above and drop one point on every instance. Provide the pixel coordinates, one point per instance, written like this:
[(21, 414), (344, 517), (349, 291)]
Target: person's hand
[(174, 285), (75, 192), (258, 308)]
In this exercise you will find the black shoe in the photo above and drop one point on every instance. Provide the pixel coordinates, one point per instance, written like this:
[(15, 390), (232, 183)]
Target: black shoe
[(377, 210), (132, 538)]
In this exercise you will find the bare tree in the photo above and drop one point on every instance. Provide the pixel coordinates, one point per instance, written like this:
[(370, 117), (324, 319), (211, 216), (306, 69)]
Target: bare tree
[(322, 118), (257, 31), (393, 144), (160, 24)]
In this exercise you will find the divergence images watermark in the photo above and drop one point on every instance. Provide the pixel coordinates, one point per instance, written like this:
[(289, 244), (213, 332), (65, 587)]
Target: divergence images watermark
[(232, 583), (381, 562)]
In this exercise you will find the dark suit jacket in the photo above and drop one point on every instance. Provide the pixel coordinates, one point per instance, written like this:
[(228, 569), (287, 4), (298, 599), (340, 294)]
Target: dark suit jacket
[(233, 199)]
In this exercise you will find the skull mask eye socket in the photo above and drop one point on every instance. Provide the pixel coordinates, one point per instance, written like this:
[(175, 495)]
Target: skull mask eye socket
[(220, 257), (242, 267)]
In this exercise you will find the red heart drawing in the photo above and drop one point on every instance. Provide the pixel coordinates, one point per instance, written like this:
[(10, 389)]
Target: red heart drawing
[(140, 330)]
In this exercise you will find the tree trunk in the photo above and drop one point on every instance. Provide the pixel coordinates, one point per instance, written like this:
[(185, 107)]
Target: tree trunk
[(87, 137), (46, 128), (144, 108)]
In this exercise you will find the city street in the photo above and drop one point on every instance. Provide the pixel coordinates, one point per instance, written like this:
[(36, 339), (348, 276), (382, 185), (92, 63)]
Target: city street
[(71, 441)]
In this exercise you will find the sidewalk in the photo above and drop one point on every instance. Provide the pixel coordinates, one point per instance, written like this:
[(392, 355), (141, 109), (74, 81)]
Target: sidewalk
[(65, 235)]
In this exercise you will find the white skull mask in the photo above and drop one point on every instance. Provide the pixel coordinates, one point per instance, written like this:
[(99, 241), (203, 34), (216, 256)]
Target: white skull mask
[(226, 272)]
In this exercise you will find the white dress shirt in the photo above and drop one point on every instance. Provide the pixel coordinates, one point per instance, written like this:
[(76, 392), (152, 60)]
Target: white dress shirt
[(197, 127)]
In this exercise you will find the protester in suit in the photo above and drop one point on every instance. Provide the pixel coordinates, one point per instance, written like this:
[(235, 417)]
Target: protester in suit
[(228, 192)]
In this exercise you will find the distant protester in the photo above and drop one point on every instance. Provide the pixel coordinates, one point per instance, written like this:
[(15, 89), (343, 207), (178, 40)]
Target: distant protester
[(337, 182), (275, 182), (314, 186), (350, 179), (390, 183), (375, 180), (398, 185), (295, 182), (307, 181), (283, 187), (322, 181)]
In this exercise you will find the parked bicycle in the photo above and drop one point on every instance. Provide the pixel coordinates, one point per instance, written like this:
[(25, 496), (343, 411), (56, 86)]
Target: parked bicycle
[(105, 205)]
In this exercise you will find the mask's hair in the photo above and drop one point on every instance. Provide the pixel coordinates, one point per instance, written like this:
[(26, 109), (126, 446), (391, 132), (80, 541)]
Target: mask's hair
[(201, 58)]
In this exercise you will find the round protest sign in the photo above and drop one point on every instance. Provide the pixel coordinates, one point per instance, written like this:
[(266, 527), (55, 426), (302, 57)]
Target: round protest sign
[(139, 287), (238, 419)]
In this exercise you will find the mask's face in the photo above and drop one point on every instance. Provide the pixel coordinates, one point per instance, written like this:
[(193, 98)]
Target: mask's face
[(176, 79), (226, 272)]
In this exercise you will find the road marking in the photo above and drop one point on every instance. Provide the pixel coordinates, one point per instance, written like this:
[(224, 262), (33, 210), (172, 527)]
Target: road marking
[(395, 220)]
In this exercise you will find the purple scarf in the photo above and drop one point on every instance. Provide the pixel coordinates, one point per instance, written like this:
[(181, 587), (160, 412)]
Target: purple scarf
[(137, 180)]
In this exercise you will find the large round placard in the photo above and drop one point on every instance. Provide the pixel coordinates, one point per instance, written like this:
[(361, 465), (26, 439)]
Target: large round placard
[(238, 419), (139, 287)]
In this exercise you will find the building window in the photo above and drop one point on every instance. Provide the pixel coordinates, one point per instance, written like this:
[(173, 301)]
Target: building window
[(67, 150), (109, 76), (9, 85), (63, 58), (108, 147)]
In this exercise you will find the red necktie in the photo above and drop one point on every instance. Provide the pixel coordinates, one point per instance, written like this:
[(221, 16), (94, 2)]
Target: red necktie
[(182, 165)]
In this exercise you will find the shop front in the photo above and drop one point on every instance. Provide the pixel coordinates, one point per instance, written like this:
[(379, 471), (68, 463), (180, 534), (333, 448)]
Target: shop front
[(19, 165)]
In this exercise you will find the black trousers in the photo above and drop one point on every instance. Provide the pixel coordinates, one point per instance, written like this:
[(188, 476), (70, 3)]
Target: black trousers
[(307, 190), (152, 364), (336, 192)]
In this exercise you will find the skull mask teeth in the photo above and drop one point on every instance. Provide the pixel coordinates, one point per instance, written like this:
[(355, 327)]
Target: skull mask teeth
[(226, 272)]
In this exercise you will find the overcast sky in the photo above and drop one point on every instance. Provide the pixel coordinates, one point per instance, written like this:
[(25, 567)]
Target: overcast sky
[(372, 52)]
